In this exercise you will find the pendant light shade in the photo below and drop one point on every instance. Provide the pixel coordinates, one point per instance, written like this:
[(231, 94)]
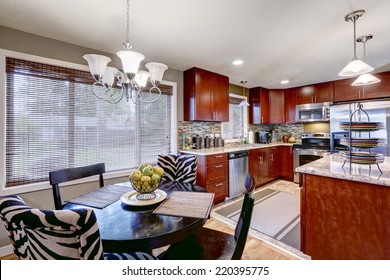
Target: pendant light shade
[(130, 61), (243, 103), (355, 66), (365, 79), (97, 63)]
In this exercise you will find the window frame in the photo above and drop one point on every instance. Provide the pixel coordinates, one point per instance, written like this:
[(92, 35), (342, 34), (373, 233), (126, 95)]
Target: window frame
[(237, 140), (46, 185)]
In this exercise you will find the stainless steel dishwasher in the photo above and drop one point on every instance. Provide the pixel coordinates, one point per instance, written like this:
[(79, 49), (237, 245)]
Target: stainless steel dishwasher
[(238, 168)]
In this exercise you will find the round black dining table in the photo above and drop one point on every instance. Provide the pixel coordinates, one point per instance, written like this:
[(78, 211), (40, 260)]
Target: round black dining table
[(126, 228)]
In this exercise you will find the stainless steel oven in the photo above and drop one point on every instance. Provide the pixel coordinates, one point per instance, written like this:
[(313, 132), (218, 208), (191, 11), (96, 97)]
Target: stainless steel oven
[(314, 146)]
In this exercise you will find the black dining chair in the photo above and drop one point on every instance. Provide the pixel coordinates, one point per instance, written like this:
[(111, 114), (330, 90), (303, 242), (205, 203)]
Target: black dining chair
[(56, 234), (208, 244), (71, 174), (181, 168)]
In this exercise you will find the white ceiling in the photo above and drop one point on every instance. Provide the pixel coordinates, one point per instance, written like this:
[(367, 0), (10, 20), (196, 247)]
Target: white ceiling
[(305, 41)]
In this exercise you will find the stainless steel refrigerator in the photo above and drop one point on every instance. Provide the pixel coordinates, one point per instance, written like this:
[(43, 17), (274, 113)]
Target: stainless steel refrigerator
[(378, 111)]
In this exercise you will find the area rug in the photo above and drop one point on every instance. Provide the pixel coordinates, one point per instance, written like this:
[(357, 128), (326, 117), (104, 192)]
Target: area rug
[(275, 214)]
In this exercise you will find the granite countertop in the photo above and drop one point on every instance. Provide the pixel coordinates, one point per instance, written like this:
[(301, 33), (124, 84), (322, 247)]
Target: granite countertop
[(227, 149), (331, 166)]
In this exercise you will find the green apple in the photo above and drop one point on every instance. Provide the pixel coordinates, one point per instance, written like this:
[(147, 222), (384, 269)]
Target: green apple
[(155, 177), (158, 170), (147, 171), (136, 175), (142, 166)]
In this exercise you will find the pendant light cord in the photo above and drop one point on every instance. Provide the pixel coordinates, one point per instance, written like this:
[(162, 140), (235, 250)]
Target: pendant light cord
[(127, 46)]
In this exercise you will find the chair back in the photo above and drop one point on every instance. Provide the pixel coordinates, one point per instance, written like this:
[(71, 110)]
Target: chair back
[(70, 174), (50, 234), (181, 168), (244, 221)]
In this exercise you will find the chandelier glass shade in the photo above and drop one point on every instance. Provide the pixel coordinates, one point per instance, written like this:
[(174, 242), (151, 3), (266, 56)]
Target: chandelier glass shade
[(355, 66), (112, 84)]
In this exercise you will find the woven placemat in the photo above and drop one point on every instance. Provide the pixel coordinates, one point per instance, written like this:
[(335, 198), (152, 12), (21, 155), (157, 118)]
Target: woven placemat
[(101, 197), (187, 204)]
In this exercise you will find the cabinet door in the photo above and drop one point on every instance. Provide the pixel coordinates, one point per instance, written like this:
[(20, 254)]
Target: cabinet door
[(290, 103), (378, 90), (323, 92), (259, 106), (275, 162), (343, 91), (276, 106), (254, 166), (286, 157), (221, 99), (204, 85), (265, 170), (305, 95)]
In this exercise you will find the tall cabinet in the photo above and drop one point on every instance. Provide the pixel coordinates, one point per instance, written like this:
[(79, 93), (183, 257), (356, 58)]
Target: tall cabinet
[(206, 96)]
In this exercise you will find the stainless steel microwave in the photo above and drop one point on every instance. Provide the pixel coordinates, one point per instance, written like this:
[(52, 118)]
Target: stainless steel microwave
[(314, 112)]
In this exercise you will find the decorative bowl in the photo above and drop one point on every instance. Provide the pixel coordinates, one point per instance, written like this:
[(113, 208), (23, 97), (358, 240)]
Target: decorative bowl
[(145, 189)]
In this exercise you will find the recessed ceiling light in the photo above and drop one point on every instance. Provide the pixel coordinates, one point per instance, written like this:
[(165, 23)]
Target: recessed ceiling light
[(284, 82), (238, 62)]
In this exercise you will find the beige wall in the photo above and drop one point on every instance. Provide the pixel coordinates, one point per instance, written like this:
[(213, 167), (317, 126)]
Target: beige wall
[(14, 40)]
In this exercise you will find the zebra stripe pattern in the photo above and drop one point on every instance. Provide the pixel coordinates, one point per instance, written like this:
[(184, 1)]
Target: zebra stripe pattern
[(50, 234), (181, 168), (56, 234)]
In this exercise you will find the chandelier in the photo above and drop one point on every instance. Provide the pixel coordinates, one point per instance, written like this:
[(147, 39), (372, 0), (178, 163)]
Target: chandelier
[(355, 66), (112, 84)]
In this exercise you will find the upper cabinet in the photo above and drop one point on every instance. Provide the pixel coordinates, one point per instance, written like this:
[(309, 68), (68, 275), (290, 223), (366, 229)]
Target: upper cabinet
[(206, 96), (344, 91), (290, 103), (276, 106), (316, 93), (259, 106)]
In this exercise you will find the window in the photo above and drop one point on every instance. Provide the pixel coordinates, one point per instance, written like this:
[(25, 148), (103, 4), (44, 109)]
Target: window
[(54, 121), (236, 127)]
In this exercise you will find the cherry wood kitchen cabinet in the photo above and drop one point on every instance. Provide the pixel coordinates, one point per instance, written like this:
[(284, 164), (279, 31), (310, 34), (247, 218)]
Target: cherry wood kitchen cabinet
[(342, 219), (206, 96), (259, 106), (344, 91), (259, 166), (275, 163), (213, 175), (317, 93), (276, 106), (378, 90), (286, 161), (290, 103)]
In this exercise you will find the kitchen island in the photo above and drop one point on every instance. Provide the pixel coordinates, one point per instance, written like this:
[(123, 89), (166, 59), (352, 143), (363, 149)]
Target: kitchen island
[(345, 213)]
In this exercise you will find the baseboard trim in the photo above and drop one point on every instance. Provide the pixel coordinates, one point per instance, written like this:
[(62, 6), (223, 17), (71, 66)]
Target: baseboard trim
[(6, 250)]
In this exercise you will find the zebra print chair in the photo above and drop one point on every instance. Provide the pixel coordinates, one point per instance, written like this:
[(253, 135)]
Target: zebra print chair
[(181, 168), (55, 234)]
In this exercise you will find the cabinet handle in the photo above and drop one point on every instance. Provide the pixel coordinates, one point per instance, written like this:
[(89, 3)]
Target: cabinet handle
[(315, 99), (261, 160), (359, 93), (218, 166), (220, 184), (262, 121), (218, 156), (272, 157), (312, 99)]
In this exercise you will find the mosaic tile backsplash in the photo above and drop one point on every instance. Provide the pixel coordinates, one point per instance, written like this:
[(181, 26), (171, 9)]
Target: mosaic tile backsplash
[(210, 129)]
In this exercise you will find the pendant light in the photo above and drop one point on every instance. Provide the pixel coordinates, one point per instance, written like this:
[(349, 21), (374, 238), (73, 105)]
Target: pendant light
[(365, 79), (355, 66), (243, 103)]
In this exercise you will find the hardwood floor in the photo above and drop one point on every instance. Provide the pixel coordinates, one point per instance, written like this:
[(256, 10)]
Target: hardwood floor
[(254, 249)]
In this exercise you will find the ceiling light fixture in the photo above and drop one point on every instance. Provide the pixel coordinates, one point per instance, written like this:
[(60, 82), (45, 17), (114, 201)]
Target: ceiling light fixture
[(365, 79), (284, 82), (237, 62), (355, 66), (112, 85), (243, 103)]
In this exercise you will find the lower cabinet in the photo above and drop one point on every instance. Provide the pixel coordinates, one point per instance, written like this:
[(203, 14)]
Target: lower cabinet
[(213, 175), (269, 164), (286, 156)]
